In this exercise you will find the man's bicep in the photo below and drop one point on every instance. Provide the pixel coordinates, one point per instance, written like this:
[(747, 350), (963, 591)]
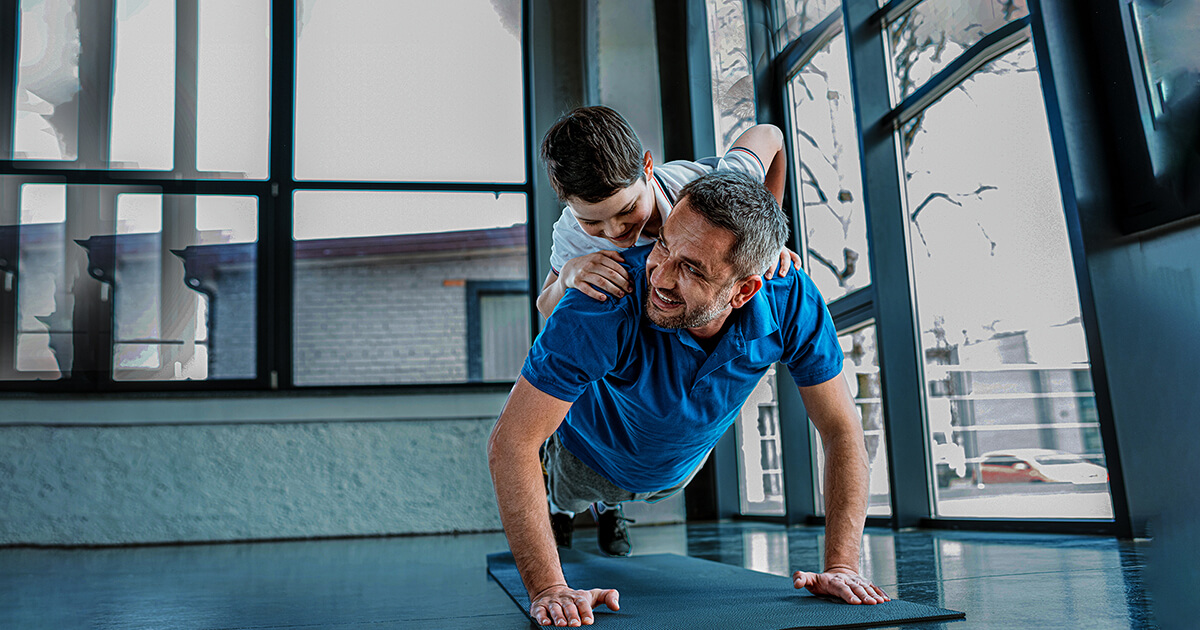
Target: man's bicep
[(529, 416)]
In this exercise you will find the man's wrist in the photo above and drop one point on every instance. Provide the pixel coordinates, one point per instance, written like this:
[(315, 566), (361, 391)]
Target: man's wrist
[(830, 568), (539, 594)]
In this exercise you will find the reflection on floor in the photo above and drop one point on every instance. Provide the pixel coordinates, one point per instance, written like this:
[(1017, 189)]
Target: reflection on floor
[(1000, 580)]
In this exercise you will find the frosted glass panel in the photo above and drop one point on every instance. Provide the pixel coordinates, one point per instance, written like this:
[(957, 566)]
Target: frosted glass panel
[(412, 91)]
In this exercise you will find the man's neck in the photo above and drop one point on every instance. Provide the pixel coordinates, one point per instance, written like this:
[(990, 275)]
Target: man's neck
[(709, 335)]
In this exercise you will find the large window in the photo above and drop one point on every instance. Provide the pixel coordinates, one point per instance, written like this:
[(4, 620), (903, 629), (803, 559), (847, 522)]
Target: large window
[(216, 193), (1006, 361), (933, 225)]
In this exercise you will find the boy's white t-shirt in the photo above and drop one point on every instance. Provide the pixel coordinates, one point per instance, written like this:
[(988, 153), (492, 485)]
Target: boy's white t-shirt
[(570, 241)]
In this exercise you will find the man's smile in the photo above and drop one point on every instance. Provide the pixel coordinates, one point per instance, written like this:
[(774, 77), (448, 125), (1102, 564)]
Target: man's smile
[(663, 302)]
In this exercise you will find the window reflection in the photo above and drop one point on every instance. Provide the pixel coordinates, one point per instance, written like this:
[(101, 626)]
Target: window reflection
[(759, 443), (47, 94), (827, 166), (1006, 363), (732, 83), (797, 16), (935, 32), (862, 375), (162, 290)]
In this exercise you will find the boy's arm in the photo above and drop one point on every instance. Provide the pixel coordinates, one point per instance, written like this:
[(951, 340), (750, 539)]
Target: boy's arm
[(594, 274), (766, 142)]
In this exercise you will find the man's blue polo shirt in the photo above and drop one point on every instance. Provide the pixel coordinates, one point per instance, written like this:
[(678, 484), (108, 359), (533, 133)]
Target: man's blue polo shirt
[(649, 402)]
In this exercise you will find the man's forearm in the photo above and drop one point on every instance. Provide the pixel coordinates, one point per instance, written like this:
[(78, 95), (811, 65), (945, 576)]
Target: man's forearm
[(521, 495), (847, 489)]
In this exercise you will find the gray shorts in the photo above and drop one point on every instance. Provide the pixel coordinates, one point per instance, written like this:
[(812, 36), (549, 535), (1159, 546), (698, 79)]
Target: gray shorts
[(574, 486)]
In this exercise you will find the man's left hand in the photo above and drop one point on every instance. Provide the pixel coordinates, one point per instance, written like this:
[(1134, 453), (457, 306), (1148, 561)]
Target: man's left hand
[(845, 584)]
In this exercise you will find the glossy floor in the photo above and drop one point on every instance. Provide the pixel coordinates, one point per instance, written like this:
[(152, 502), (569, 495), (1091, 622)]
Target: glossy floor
[(999, 580)]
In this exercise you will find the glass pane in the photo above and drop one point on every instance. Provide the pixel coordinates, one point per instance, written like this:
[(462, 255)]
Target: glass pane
[(1005, 356), (185, 304), (399, 91), (143, 85), (825, 138), (233, 87), (382, 283), (504, 327), (935, 32), (760, 468), (862, 375), (47, 96), (168, 281), (40, 281), (732, 84), (797, 16)]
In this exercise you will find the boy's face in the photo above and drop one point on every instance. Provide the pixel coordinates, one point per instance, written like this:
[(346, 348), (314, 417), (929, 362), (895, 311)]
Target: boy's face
[(620, 218)]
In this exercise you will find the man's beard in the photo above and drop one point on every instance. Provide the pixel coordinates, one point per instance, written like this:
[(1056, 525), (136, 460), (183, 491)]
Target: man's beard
[(689, 317)]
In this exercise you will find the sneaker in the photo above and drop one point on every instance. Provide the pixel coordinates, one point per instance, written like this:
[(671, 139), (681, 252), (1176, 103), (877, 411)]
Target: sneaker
[(612, 535), (563, 526)]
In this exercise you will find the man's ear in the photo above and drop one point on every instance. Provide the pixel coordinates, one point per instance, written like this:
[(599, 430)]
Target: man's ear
[(745, 289), (648, 166)]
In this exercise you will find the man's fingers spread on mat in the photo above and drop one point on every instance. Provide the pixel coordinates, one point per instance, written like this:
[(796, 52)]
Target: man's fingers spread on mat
[(571, 612), (556, 613), (862, 594)]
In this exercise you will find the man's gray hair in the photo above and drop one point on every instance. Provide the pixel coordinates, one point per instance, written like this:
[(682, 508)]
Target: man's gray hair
[(739, 203)]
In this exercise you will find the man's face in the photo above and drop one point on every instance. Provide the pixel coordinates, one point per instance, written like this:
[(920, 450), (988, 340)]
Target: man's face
[(691, 280)]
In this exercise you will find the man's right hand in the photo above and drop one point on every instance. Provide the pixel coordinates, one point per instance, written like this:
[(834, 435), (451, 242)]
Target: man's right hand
[(596, 273), (564, 606)]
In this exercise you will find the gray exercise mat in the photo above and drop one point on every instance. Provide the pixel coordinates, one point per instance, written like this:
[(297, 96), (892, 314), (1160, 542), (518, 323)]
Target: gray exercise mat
[(669, 591)]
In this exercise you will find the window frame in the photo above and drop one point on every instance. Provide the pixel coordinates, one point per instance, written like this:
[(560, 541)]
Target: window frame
[(275, 246), (888, 301)]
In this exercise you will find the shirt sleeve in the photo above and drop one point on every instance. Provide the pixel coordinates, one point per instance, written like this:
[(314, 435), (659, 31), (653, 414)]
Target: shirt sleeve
[(811, 348), (743, 160), (579, 345), (565, 244)]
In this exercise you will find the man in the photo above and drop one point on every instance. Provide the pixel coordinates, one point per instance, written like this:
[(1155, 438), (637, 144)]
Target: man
[(639, 389)]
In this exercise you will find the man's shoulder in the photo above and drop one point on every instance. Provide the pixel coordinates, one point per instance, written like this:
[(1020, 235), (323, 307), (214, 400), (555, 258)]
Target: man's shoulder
[(791, 293)]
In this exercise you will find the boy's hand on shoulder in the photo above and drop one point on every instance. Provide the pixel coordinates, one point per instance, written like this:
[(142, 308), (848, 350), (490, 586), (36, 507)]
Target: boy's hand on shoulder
[(596, 274), (787, 260)]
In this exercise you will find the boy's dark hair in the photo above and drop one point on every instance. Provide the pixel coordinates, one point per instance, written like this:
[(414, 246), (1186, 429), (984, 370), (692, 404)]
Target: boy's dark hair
[(743, 205), (591, 153)]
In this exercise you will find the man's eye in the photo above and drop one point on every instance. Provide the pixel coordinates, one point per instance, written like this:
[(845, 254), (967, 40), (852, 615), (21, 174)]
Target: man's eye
[(692, 270)]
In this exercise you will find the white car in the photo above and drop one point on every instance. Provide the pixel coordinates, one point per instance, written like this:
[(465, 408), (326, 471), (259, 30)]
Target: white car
[(1024, 465)]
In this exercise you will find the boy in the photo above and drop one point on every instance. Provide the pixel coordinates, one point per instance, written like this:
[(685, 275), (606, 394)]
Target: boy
[(616, 199)]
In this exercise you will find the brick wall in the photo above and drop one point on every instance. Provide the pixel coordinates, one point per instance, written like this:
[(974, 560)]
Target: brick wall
[(389, 320)]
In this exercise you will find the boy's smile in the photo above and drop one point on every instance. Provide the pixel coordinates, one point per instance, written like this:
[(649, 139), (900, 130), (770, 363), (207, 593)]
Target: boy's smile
[(624, 216)]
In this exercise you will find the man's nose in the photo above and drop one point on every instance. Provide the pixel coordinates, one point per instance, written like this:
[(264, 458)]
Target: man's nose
[(662, 276)]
